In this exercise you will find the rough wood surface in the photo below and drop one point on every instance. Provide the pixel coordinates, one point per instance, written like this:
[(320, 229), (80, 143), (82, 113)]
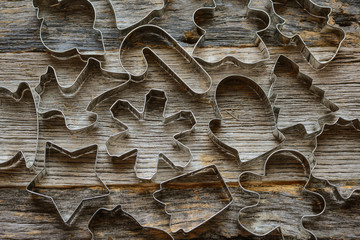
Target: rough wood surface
[(24, 58)]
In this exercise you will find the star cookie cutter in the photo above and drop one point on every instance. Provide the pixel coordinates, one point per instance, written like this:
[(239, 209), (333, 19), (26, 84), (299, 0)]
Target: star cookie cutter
[(44, 172)]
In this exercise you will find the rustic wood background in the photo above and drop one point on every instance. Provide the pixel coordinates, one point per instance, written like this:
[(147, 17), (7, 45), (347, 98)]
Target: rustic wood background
[(24, 58)]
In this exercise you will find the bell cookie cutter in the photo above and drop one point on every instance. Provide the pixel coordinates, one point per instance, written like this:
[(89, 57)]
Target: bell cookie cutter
[(315, 10), (164, 120), (216, 123), (44, 172), (141, 36), (306, 164), (62, 4), (184, 181), (308, 82), (71, 91), (18, 96), (118, 214), (258, 42)]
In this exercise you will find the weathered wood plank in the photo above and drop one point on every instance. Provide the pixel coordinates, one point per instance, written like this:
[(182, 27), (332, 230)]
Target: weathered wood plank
[(23, 58)]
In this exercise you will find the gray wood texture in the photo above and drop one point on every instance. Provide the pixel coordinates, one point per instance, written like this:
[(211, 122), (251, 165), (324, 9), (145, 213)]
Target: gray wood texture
[(24, 58)]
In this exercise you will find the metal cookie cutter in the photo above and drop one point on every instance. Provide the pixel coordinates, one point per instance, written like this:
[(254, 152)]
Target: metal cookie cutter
[(183, 29), (216, 123), (189, 186), (16, 98), (154, 122), (49, 149), (73, 90), (250, 13), (315, 10), (329, 107), (335, 152), (126, 226), (60, 5), (148, 17), (151, 40), (305, 163)]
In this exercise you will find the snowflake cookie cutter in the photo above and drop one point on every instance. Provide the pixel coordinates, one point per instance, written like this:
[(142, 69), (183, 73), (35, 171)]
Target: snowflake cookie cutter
[(70, 91), (308, 170), (117, 213), (18, 95), (216, 123), (314, 10), (44, 172), (258, 41), (147, 32), (210, 172), (62, 4), (121, 105)]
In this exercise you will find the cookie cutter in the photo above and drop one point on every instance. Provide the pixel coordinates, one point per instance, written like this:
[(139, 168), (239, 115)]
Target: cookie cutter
[(315, 10), (306, 164), (126, 105), (44, 172), (74, 88), (305, 142), (355, 124), (145, 20), (115, 212), (309, 83), (215, 123), (330, 220), (18, 95), (63, 4), (184, 16), (155, 31), (258, 42), (212, 168)]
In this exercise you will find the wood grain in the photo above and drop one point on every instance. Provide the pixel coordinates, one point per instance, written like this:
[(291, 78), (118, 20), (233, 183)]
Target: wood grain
[(23, 58)]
